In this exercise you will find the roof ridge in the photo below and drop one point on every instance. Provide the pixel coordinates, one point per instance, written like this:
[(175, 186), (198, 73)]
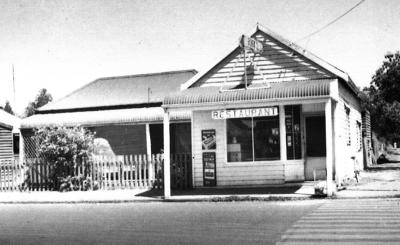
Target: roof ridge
[(194, 71)]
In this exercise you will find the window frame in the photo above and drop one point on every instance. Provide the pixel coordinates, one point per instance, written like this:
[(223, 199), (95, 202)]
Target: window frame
[(253, 161), (347, 125)]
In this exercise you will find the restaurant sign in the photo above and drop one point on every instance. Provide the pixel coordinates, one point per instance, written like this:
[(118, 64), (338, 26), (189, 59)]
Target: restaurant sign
[(247, 112)]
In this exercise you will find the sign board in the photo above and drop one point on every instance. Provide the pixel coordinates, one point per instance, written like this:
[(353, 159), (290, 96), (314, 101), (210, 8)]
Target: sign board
[(208, 139), (248, 112), (250, 43), (209, 169)]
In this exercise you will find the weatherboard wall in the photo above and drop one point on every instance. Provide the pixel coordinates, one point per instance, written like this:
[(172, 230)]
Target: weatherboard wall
[(343, 150), (6, 143)]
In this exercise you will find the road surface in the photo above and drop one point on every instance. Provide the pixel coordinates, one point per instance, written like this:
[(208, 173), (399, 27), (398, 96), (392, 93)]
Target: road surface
[(150, 223), (301, 222), (363, 222)]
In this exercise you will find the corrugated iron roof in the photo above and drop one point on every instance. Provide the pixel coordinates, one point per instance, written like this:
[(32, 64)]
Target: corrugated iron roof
[(283, 90), (122, 90), (102, 117), (10, 120)]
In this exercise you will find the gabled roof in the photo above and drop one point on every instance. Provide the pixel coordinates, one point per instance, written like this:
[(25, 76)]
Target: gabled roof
[(121, 91), (334, 71)]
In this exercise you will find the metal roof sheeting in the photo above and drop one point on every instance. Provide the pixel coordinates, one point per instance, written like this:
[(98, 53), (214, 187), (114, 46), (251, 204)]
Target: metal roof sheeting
[(103, 117), (10, 120), (122, 90), (283, 90)]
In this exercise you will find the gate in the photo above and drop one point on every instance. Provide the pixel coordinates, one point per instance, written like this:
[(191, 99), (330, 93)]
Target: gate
[(181, 171)]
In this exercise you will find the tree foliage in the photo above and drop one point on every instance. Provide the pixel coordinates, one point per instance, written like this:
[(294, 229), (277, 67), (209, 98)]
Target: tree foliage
[(383, 100), (41, 99), (7, 108), (64, 148), (64, 145)]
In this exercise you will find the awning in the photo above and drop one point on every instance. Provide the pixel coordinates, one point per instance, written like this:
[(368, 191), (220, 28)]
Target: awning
[(103, 117), (285, 90)]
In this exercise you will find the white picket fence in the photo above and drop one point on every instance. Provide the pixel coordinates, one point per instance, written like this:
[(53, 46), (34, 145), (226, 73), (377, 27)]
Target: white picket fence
[(122, 172)]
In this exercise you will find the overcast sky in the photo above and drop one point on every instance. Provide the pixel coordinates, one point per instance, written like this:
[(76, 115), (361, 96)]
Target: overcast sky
[(62, 45)]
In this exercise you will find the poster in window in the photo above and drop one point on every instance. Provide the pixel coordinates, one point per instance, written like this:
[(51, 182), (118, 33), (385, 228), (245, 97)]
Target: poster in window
[(209, 169), (208, 139)]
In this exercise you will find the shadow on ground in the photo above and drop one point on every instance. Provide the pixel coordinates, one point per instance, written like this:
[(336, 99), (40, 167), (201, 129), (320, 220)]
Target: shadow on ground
[(225, 191)]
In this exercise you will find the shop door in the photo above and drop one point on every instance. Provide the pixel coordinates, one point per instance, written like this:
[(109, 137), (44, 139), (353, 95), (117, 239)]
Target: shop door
[(315, 148)]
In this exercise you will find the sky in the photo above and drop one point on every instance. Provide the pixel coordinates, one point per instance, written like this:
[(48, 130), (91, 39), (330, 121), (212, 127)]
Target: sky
[(62, 45)]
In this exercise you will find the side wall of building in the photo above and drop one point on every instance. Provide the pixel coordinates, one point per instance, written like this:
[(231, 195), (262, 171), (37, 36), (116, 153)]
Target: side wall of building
[(348, 134)]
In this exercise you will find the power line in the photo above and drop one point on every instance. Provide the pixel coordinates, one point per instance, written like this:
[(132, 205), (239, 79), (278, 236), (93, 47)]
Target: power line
[(330, 23)]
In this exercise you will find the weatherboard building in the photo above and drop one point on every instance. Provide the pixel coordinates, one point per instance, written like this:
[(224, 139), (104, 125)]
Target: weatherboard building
[(269, 112)]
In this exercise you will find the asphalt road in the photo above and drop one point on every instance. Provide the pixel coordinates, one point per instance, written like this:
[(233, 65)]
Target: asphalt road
[(151, 223), (352, 222)]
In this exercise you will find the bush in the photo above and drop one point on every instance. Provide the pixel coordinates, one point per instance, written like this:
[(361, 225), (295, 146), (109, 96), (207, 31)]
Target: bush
[(65, 149)]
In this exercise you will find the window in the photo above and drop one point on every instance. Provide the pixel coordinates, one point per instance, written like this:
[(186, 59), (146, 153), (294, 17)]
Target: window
[(16, 144), (347, 125), (359, 136), (293, 136), (253, 139)]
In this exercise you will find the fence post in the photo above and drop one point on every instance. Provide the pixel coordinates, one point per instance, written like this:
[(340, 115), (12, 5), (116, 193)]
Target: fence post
[(136, 170), (6, 175), (126, 171), (140, 170)]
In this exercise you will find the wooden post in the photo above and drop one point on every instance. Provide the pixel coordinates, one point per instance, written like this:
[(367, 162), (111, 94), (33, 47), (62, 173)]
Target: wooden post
[(329, 147), (282, 133), (167, 158)]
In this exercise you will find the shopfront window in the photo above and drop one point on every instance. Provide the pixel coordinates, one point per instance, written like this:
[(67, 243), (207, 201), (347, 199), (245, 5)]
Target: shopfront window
[(253, 139)]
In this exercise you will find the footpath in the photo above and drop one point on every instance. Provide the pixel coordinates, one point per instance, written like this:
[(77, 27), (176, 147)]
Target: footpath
[(382, 181)]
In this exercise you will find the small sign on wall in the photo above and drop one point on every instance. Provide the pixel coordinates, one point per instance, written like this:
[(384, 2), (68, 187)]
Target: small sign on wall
[(208, 139), (209, 169)]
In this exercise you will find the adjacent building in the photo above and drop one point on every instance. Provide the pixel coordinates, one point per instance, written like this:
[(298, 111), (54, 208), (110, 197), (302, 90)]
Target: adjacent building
[(9, 136), (125, 113)]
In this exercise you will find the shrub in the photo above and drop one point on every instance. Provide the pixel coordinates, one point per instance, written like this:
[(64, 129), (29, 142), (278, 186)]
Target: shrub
[(65, 149)]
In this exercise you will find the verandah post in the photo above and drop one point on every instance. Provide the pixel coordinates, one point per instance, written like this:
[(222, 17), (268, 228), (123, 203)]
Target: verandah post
[(167, 159), (282, 132), (329, 147)]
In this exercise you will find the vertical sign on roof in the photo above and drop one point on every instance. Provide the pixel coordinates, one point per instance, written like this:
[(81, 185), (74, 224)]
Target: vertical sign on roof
[(251, 43)]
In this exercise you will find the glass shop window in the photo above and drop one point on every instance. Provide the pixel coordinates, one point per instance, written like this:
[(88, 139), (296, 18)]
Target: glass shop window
[(293, 135), (253, 139)]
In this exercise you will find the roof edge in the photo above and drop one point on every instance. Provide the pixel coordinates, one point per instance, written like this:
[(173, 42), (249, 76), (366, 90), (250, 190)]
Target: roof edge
[(4, 125), (100, 108), (194, 71)]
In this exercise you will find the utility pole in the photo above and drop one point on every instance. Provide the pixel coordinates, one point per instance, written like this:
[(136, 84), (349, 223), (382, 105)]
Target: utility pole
[(14, 99)]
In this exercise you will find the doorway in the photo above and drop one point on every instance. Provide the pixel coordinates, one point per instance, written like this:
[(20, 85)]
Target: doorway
[(315, 148)]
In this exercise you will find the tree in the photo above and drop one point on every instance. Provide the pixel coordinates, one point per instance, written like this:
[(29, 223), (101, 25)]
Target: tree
[(7, 108), (41, 99), (387, 78), (65, 148), (383, 100)]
